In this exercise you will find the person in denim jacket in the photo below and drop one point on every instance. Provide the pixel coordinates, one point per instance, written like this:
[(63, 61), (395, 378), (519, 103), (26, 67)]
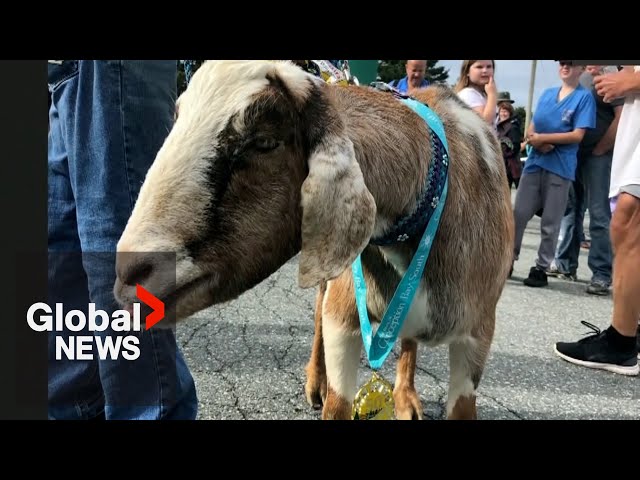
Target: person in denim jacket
[(108, 119)]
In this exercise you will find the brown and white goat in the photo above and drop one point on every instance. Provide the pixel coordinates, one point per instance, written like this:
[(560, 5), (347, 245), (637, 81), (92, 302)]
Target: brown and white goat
[(264, 161)]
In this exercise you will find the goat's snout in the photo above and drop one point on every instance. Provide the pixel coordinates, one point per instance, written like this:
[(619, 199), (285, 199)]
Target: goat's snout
[(134, 268), (155, 271)]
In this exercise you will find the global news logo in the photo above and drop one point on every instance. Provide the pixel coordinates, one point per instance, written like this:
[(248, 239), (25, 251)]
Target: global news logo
[(42, 318)]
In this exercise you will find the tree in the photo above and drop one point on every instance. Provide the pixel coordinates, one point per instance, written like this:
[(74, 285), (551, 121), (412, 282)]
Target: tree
[(521, 113), (394, 69)]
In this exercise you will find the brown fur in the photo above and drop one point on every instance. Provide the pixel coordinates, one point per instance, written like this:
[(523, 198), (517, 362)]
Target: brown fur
[(473, 261), (349, 162), (464, 409), (316, 386), (336, 407), (407, 400)]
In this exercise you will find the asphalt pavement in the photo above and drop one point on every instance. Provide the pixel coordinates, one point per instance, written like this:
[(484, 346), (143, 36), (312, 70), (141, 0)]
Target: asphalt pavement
[(248, 356)]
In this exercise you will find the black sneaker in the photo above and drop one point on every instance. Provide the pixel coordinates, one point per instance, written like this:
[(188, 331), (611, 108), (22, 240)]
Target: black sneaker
[(596, 351), (536, 278), (638, 341)]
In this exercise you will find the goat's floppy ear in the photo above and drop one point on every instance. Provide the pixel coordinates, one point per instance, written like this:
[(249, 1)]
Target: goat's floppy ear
[(338, 211)]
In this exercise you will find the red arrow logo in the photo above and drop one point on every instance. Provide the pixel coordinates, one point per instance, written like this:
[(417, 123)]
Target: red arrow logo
[(155, 303)]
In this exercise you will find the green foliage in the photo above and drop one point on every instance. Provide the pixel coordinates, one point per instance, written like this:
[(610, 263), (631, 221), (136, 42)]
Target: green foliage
[(395, 70), (521, 113), (435, 73), (390, 70)]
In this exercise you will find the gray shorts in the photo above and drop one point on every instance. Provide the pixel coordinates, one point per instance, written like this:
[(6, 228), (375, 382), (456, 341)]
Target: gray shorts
[(631, 190)]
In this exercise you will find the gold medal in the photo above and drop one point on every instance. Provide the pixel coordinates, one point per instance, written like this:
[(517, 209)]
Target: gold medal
[(374, 401)]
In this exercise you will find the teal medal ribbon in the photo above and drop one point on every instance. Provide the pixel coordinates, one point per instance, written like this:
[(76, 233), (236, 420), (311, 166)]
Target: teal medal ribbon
[(379, 346)]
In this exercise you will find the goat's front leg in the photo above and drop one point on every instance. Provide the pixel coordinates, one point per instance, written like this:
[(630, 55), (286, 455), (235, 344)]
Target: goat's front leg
[(408, 405), (342, 347), (316, 386)]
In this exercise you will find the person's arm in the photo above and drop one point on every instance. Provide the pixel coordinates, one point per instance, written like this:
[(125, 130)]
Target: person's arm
[(616, 85), (584, 117), (608, 139), (542, 146), (531, 130), (574, 136), (478, 103), (488, 112)]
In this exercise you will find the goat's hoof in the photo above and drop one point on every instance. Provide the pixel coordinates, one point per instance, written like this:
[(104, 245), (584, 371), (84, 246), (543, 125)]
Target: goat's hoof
[(464, 408), (316, 391), (408, 405), (336, 407)]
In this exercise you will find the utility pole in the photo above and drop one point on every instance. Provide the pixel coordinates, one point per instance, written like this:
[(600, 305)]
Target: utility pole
[(532, 81)]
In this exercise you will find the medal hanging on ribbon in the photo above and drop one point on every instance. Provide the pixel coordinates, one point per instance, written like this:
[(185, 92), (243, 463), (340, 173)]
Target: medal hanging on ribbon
[(374, 400)]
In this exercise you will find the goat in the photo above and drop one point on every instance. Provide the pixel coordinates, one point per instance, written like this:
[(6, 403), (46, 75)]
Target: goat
[(264, 162)]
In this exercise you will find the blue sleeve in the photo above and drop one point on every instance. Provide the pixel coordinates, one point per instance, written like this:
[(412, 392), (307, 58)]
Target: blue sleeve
[(586, 114)]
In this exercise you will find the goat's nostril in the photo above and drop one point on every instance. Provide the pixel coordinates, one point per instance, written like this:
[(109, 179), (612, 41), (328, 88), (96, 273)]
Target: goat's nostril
[(136, 272)]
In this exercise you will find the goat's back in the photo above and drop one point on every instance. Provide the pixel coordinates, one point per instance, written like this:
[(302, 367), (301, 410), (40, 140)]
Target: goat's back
[(471, 254)]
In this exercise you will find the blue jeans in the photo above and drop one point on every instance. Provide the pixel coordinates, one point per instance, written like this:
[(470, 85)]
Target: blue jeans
[(107, 120), (590, 190)]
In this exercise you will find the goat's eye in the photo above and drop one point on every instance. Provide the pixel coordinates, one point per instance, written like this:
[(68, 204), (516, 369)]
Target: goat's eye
[(266, 144)]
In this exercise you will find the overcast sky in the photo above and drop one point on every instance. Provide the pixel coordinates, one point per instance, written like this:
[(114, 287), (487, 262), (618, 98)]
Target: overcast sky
[(514, 76)]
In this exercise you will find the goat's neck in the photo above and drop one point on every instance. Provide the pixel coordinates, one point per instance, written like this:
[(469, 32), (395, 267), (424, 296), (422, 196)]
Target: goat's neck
[(395, 191)]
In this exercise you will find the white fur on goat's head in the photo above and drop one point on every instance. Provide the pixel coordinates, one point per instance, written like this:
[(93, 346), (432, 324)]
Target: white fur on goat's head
[(257, 167)]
